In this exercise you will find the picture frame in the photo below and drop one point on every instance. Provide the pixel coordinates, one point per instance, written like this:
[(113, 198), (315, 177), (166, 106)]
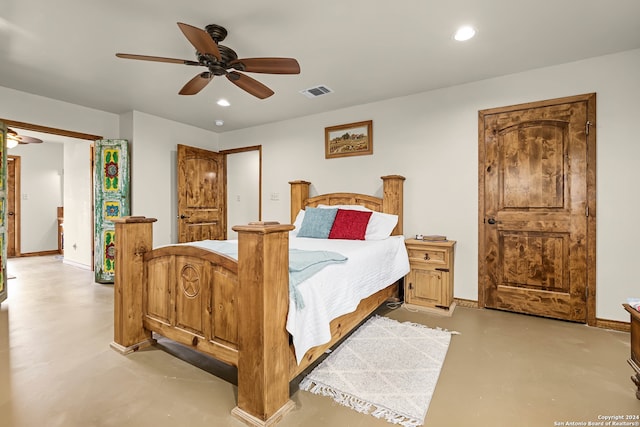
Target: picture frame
[(352, 139)]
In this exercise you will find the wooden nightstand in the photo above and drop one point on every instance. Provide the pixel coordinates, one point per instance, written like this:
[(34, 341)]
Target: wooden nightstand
[(634, 360), (429, 284)]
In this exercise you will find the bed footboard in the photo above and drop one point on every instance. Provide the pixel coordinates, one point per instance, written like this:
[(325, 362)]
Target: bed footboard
[(135, 238), (147, 299)]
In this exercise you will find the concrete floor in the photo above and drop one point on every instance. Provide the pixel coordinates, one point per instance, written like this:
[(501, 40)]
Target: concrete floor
[(504, 369)]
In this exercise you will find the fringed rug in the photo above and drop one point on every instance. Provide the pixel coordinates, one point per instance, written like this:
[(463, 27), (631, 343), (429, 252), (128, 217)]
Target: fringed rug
[(385, 368)]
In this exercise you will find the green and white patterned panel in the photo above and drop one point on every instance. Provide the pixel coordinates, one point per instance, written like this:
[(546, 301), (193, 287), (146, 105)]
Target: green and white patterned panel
[(3, 213), (111, 200)]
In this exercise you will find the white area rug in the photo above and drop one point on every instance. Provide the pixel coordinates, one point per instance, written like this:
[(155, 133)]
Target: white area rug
[(386, 368)]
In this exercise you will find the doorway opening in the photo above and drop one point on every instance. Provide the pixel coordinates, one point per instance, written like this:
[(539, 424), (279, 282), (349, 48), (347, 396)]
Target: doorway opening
[(48, 134)]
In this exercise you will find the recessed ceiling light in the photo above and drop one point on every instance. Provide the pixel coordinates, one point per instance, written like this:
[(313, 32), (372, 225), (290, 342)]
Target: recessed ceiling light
[(219, 122), (464, 33), (223, 103)]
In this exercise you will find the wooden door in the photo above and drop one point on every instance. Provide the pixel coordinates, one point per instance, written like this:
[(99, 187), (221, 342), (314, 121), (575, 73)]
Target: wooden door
[(202, 213), (537, 208)]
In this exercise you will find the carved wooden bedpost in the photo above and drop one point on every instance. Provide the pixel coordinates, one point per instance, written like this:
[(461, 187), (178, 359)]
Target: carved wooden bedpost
[(299, 195), (392, 199), (134, 237), (263, 341)]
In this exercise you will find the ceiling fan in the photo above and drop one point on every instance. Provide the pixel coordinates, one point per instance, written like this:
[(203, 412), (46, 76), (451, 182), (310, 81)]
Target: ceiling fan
[(223, 61), (13, 139)]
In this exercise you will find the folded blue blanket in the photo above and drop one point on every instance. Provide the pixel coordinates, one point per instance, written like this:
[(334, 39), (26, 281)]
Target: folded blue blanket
[(302, 264)]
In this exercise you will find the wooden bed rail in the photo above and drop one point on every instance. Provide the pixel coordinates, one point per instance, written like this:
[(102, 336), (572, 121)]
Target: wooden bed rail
[(262, 298)]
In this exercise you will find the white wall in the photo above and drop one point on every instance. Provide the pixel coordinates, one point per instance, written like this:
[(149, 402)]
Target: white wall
[(153, 168), (41, 169), (432, 139), (243, 184), (78, 206)]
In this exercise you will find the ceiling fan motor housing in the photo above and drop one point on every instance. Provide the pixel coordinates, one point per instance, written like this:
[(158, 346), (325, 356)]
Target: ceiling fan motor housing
[(218, 68)]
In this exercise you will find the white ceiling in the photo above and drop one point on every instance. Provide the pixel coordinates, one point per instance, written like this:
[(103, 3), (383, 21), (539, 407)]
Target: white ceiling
[(365, 50)]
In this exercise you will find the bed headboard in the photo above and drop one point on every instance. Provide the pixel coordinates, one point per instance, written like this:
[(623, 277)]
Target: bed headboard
[(391, 201)]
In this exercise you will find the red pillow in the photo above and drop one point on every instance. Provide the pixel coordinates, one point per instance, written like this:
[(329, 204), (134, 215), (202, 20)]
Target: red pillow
[(350, 225)]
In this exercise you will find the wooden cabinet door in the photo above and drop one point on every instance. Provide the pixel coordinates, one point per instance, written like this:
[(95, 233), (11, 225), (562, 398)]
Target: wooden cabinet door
[(202, 213), (425, 287), (537, 181)]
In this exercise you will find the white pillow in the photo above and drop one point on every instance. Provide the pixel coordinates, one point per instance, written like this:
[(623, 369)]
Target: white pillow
[(298, 222), (380, 224)]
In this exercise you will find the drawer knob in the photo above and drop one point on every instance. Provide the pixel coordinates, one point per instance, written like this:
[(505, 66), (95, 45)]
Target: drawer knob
[(427, 257)]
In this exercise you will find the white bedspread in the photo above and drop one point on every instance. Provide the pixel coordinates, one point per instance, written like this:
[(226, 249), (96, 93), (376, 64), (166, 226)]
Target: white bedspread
[(337, 289)]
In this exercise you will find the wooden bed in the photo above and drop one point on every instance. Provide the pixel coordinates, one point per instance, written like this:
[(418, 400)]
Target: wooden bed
[(234, 311)]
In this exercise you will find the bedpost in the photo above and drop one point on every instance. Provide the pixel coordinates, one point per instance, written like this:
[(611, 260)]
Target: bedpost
[(263, 341), (134, 237), (299, 196), (392, 199)]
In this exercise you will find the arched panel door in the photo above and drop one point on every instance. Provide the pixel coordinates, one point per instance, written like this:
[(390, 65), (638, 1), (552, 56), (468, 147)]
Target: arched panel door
[(537, 237), (202, 196)]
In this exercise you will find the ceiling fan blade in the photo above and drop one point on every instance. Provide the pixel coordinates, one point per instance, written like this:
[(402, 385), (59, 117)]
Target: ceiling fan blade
[(196, 84), (28, 140), (157, 59), (250, 85), (22, 139), (200, 39), (268, 65)]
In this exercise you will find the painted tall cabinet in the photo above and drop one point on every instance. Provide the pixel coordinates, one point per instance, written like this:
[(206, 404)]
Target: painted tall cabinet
[(3, 213), (111, 200)]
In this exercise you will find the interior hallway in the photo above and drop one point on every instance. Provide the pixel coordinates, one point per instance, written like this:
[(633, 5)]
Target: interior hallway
[(504, 369)]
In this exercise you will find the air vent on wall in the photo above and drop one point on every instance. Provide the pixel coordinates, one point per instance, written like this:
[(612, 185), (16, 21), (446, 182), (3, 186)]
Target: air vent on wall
[(316, 91)]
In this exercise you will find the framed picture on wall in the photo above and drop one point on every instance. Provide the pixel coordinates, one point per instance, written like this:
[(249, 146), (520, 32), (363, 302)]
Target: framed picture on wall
[(353, 139)]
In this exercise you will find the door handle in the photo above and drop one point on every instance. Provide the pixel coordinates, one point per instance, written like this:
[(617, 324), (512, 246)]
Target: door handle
[(10, 213), (491, 221)]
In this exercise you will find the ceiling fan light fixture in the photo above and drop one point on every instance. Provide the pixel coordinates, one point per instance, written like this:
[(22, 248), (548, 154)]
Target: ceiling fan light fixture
[(464, 33), (13, 139)]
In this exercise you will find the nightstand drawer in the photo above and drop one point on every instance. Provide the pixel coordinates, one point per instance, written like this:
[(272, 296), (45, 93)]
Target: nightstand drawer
[(431, 255)]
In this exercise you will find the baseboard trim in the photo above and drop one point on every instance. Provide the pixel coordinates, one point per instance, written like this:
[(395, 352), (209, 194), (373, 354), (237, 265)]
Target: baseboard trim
[(466, 303), (76, 264), (615, 325), (40, 253)]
